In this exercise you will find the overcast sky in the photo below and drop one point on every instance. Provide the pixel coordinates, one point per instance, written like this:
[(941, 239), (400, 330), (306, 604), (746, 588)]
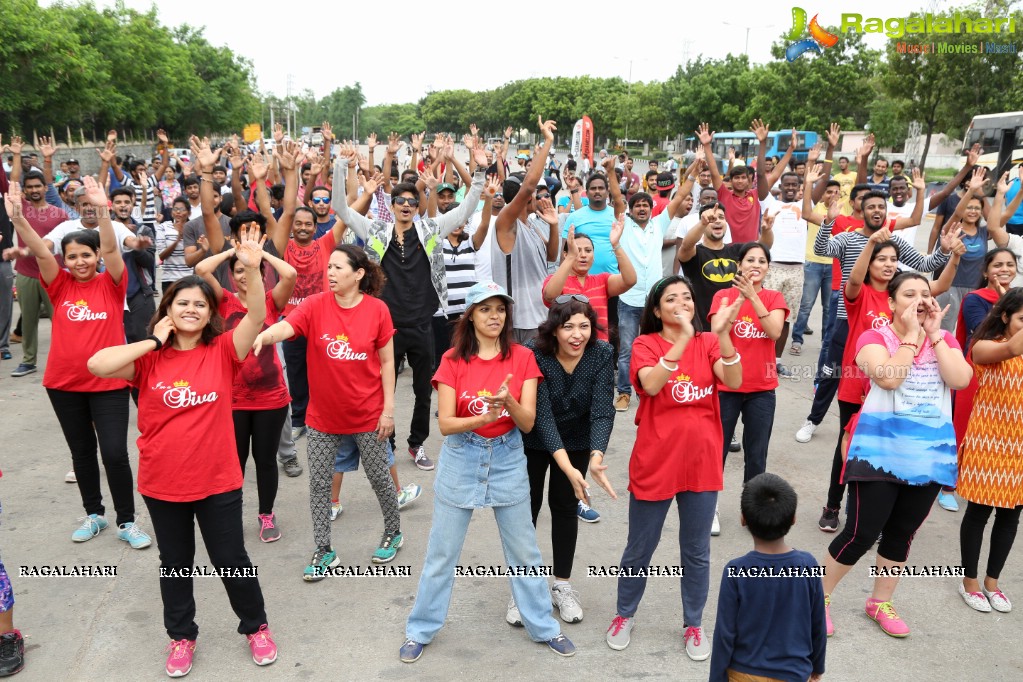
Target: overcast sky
[(443, 49)]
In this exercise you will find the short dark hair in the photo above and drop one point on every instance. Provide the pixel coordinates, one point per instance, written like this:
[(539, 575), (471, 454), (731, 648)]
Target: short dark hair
[(749, 246), (596, 176), (218, 167), (180, 199), (709, 207), (403, 187), (898, 178), (277, 192), (640, 196), (314, 190), (465, 345), (33, 175), (189, 181), (136, 163), (559, 314), (649, 323), (89, 238), (768, 504), (577, 235), (246, 216), (833, 183), (857, 190), (122, 191), (874, 194), (790, 174)]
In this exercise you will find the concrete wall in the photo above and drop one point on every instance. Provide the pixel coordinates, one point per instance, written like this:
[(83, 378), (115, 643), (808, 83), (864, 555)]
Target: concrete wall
[(88, 155)]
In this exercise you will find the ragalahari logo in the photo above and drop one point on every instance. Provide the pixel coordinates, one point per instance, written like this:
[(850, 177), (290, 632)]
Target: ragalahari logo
[(819, 38)]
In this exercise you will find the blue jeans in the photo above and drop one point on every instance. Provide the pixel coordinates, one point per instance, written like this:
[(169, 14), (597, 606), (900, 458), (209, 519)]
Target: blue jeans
[(757, 410), (477, 472), (816, 279), (830, 320), (646, 519), (628, 330)]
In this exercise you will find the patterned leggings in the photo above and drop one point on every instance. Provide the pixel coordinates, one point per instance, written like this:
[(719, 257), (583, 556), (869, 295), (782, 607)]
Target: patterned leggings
[(321, 449)]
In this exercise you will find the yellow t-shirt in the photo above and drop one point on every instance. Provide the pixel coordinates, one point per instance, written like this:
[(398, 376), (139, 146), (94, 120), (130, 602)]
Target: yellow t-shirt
[(821, 211), (846, 181)]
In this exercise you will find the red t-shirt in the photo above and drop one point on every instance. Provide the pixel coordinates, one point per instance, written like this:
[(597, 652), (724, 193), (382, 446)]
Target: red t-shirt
[(678, 434), (478, 378), (870, 310), (42, 221), (660, 203), (843, 223), (311, 264), (759, 368), (187, 450), (87, 317), (259, 384), (743, 214), (346, 394), (594, 287)]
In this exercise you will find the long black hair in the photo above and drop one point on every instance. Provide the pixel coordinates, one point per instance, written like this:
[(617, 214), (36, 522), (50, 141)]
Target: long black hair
[(994, 326), (649, 323)]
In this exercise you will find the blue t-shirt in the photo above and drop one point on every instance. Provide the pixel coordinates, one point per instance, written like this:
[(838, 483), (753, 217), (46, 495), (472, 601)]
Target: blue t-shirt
[(770, 618), (597, 226), (567, 201), (1017, 217)]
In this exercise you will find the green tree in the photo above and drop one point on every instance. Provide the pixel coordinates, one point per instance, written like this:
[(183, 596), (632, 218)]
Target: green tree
[(716, 91)]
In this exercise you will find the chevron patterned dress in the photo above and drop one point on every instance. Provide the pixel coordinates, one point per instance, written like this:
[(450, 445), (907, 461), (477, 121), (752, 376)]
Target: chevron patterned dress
[(991, 456)]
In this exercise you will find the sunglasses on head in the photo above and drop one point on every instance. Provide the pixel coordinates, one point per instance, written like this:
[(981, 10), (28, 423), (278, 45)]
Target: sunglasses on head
[(565, 298), (401, 201), (321, 200)]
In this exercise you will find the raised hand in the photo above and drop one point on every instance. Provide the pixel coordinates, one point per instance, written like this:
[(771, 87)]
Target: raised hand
[(468, 141), (371, 141), (111, 135), (731, 153), (285, 153), (813, 154), (866, 147), (617, 229), (609, 165), (493, 186), (417, 141), (430, 177), (16, 145), (1003, 183), (703, 134), (721, 322), (974, 154), (949, 234), (327, 133), (348, 151), (370, 185), (249, 248), (760, 129), (815, 171), (473, 130), (109, 152), (546, 211), (162, 138), (834, 134), (571, 182), (479, 155), (834, 205), (46, 147), (278, 133), (767, 222), (547, 128), (393, 143), (977, 180), (919, 184), (257, 168), (794, 140), (13, 199), (508, 132)]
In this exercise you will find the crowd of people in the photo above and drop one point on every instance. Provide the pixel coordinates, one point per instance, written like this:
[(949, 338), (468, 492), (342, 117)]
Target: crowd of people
[(288, 273)]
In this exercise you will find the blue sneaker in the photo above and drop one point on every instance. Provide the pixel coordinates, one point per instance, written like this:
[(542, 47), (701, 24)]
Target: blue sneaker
[(587, 514), (561, 645), (133, 535), (323, 558), (389, 545), (90, 528), (23, 369), (410, 651)]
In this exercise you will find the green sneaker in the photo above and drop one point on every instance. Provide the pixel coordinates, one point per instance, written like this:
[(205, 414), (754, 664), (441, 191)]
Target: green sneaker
[(389, 545), (323, 559)]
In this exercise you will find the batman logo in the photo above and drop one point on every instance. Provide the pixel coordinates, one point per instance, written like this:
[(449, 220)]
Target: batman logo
[(720, 270)]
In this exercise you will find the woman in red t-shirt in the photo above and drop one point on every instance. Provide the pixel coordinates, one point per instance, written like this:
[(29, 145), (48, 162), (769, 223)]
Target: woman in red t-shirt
[(260, 397), (350, 355), (486, 387), (185, 373), (758, 325), (677, 370), (868, 307), (87, 316), (573, 275)]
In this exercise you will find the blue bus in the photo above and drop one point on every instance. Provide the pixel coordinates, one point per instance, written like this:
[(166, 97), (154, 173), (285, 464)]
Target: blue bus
[(747, 146)]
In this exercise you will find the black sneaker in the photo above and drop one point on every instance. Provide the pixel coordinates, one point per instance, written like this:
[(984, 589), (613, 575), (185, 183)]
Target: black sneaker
[(734, 446), (291, 467), (829, 520), (23, 369), (808, 332), (12, 653)]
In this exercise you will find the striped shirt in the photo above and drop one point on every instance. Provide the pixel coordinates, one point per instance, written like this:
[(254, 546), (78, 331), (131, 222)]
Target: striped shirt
[(173, 267), (460, 270), (151, 189), (848, 246)]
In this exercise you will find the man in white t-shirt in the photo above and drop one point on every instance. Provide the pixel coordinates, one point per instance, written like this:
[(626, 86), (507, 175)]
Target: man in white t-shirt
[(787, 254)]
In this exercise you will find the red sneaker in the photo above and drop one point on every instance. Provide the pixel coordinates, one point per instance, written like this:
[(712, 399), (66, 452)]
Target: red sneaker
[(883, 612), (264, 651), (179, 662)]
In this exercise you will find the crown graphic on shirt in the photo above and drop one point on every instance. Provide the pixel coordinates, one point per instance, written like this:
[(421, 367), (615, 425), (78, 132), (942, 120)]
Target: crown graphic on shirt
[(746, 318), (682, 377), (181, 383), (342, 338), (484, 393), (82, 302)]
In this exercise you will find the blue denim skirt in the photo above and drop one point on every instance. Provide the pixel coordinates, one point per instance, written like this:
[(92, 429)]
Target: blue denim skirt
[(476, 472)]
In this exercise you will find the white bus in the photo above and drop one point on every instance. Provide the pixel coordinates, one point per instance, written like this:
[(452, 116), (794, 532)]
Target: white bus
[(1001, 139)]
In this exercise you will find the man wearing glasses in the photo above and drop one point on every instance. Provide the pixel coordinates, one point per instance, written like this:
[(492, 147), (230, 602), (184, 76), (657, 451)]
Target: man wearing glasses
[(319, 201)]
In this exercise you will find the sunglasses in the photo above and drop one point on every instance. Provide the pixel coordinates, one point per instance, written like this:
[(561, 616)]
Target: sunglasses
[(321, 200), (565, 298), (401, 201), (543, 196)]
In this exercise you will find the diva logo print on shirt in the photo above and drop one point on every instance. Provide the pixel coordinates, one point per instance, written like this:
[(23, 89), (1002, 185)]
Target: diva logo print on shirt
[(683, 389), (339, 349), (744, 328), (182, 395), (79, 311), (879, 320), (478, 404)]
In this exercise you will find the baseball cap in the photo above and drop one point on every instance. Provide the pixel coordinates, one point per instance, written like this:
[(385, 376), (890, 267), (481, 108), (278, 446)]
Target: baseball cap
[(665, 181), (481, 291), (74, 161), (522, 155), (445, 186)]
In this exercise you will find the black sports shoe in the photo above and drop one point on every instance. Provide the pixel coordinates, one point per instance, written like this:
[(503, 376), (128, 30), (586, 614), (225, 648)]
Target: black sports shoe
[(291, 467), (829, 520), (12, 653), (734, 446)]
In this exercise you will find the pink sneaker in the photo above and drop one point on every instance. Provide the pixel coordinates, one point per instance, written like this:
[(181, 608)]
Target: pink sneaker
[(264, 651), (179, 662), (884, 613), (829, 626)]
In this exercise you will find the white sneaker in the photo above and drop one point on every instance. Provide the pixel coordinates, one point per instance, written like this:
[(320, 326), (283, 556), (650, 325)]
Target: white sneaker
[(715, 525), (70, 477), (512, 616), (567, 601), (806, 431), (408, 494), (335, 510)]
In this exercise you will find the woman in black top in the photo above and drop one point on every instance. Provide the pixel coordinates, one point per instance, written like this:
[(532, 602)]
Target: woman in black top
[(574, 417)]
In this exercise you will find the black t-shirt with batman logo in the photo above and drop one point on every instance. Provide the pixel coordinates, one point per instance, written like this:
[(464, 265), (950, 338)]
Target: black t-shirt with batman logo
[(710, 271)]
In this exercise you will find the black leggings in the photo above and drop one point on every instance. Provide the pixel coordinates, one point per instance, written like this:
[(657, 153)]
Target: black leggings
[(83, 417), (875, 506), (836, 488), (263, 429), (561, 500), (971, 535)]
